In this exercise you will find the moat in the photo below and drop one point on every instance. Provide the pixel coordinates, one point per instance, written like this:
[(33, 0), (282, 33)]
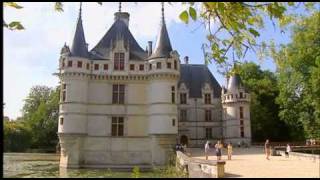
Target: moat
[(35, 165)]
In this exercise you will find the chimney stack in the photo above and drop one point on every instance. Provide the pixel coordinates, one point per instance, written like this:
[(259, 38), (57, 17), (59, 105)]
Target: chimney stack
[(186, 60), (149, 48), (123, 16)]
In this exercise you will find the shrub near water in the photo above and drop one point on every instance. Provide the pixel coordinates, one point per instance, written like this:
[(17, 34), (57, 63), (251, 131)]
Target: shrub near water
[(17, 137)]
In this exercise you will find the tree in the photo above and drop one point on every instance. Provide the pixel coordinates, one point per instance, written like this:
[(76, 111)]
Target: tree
[(40, 113), (263, 89), (16, 136), (299, 77)]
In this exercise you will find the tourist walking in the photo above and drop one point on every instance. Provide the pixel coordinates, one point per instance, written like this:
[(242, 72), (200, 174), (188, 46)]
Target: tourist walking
[(267, 149), (218, 147), (229, 151), (288, 149), (206, 149)]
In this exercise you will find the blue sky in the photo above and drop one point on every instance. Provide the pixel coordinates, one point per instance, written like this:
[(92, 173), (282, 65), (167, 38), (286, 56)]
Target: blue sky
[(31, 56)]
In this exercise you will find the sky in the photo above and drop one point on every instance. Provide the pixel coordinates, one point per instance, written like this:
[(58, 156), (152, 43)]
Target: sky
[(31, 56)]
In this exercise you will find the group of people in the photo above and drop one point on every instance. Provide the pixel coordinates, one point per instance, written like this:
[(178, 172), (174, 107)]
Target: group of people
[(180, 147), (267, 149), (218, 150)]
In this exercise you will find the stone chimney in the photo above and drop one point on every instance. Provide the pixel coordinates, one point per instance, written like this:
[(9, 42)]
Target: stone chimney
[(149, 48), (186, 60), (124, 16)]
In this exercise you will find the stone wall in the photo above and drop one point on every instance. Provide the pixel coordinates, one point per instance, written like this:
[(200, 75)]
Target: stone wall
[(199, 167)]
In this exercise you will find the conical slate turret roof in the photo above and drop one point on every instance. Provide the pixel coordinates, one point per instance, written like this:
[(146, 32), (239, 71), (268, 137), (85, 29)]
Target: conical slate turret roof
[(79, 46), (163, 46), (234, 83)]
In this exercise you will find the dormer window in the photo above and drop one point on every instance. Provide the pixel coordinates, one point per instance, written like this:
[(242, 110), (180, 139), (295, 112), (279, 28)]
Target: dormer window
[(207, 98), (183, 98), (119, 61)]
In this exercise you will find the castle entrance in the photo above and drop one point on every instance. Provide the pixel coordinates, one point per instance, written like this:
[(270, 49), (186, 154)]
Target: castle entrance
[(184, 140)]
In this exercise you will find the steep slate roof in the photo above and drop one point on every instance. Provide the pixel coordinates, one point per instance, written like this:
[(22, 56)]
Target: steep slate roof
[(118, 29), (195, 76), (163, 46), (79, 45)]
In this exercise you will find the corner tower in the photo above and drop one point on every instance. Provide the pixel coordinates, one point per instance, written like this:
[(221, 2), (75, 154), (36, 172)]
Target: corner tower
[(72, 127), (163, 73), (236, 111)]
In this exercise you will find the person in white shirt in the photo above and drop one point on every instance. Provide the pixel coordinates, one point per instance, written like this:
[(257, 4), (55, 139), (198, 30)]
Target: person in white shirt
[(206, 149), (288, 149)]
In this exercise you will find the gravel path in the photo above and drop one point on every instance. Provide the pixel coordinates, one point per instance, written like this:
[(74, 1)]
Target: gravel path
[(251, 162)]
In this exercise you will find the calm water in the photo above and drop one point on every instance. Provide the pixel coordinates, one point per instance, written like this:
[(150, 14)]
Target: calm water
[(33, 165)]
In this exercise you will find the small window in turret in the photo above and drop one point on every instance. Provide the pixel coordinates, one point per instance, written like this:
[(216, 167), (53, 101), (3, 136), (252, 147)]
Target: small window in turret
[(88, 66), (63, 62), (150, 66), (173, 94), (69, 63), (173, 122), (61, 121), (79, 64), (64, 88), (169, 65), (241, 94), (158, 65), (175, 65)]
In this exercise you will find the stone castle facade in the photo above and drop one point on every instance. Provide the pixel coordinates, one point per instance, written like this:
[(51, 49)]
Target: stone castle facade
[(123, 106)]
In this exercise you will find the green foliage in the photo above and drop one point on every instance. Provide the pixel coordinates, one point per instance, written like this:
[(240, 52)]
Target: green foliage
[(135, 172), (58, 6), (299, 70), (263, 89), (40, 113), (12, 4), (237, 26), (16, 136), (184, 16)]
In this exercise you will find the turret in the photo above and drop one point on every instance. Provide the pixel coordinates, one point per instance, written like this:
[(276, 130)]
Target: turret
[(72, 126), (163, 72), (236, 111)]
